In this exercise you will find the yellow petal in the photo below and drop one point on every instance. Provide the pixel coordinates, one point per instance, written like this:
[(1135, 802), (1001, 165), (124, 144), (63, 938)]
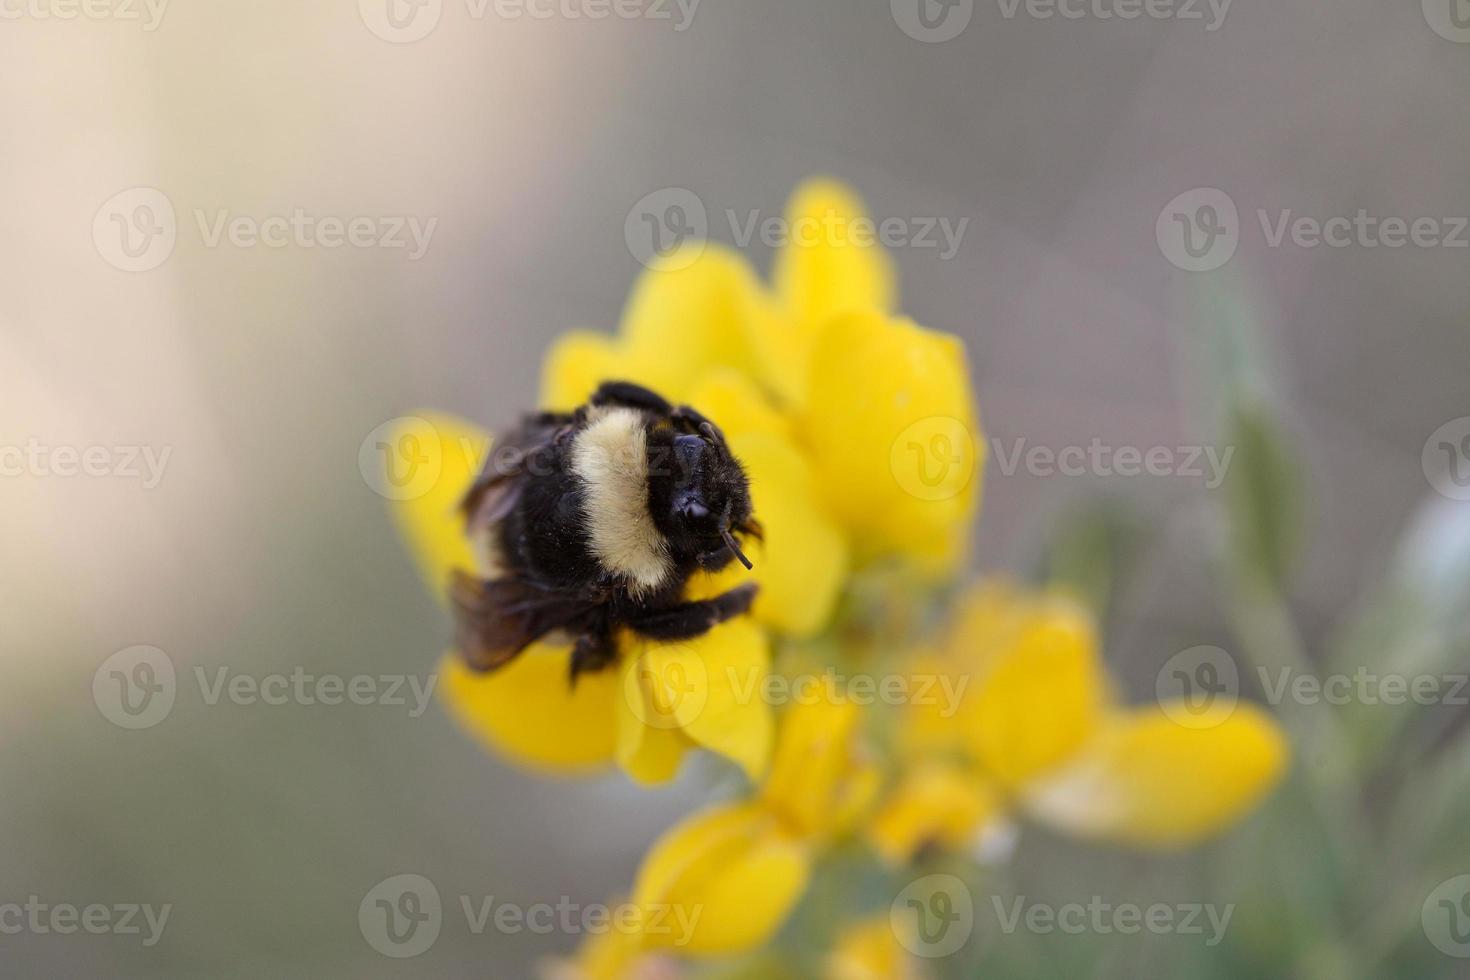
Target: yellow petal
[(935, 803), (856, 795), (711, 687), (528, 712), (577, 363), (682, 322), (650, 745), (813, 762), (782, 352), (890, 422), (802, 562), (429, 460), (985, 624), (833, 263), (1039, 693), (609, 955), (868, 950), (934, 725), (823, 272), (738, 405), (731, 871), (1148, 781), (988, 617)]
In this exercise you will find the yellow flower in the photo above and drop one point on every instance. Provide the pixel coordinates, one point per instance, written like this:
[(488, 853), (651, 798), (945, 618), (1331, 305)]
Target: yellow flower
[(530, 714), (737, 869), (859, 436), (615, 953), (869, 443), (893, 434), (696, 692), (1037, 731), (821, 782), (936, 803), (869, 950)]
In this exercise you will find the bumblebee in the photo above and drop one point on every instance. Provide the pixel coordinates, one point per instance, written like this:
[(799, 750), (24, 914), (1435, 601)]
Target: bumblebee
[(591, 521)]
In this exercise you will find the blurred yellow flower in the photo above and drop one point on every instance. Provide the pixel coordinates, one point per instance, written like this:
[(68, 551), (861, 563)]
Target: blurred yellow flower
[(859, 435), (935, 803), (738, 864), (869, 950), (743, 865), (613, 954), (822, 781), (1038, 731)]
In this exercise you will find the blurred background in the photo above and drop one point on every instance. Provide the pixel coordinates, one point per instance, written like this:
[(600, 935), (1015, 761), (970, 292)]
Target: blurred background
[(132, 318)]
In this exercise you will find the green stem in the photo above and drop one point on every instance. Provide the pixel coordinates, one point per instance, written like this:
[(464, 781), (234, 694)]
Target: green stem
[(1271, 641)]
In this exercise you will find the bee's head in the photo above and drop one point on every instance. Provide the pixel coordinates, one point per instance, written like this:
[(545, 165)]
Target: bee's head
[(704, 498)]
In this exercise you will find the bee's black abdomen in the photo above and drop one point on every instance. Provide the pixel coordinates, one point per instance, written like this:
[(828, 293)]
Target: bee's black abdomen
[(546, 536)]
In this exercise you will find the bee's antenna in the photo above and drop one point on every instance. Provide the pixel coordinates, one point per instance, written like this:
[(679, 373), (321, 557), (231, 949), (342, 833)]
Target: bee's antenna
[(734, 547), (730, 541)]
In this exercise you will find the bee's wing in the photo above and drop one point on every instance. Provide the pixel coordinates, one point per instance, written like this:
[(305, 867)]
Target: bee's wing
[(497, 488), (496, 619)]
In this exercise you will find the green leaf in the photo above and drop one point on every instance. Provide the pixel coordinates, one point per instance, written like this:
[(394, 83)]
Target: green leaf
[(1092, 552), (1263, 498), (1230, 385), (1227, 358)]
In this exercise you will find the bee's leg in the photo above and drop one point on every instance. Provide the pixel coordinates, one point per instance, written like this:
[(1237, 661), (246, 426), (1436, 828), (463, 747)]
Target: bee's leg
[(592, 652), (629, 395), (690, 619)]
